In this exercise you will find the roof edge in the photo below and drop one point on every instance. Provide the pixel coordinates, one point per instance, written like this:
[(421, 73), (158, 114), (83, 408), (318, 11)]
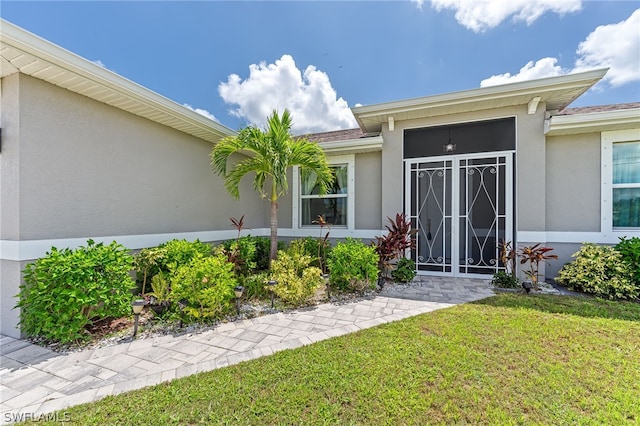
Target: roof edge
[(593, 122), (490, 91), (581, 81), (30, 43), (353, 146)]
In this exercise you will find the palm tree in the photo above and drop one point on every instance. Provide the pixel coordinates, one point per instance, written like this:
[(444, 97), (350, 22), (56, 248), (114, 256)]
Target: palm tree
[(270, 153)]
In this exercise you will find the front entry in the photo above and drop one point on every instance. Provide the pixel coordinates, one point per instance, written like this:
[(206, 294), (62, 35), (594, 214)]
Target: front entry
[(462, 207)]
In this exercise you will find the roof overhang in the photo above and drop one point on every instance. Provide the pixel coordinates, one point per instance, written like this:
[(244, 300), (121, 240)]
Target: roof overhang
[(353, 146), (594, 122), (554, 92), (26, 53)]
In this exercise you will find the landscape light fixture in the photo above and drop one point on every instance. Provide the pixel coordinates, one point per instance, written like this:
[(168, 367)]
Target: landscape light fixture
[(270, 285), (238, 290), (325, 277), (137, 306)]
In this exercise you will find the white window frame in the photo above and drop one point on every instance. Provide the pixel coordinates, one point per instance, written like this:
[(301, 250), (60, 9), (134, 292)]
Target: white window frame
[(607, 140), (336, 160)]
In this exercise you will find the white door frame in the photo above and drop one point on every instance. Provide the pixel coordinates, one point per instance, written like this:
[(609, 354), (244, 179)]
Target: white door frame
[(456, 208)]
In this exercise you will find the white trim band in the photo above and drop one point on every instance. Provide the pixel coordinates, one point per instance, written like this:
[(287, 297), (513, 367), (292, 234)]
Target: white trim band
[(34, 249), (574, 237)]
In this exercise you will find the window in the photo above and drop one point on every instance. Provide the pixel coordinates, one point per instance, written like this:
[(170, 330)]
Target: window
[(332, 206), (337, 207), (626, 184), (620, 190)]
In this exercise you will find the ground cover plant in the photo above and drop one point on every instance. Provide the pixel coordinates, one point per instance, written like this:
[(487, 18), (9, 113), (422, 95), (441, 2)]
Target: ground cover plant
[(509, 359)]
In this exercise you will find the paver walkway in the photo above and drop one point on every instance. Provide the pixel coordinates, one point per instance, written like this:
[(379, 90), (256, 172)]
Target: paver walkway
[(35, 380)]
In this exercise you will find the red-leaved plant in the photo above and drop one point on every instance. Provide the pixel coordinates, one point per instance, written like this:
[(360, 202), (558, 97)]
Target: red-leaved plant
[(393, 245), (534, 255)]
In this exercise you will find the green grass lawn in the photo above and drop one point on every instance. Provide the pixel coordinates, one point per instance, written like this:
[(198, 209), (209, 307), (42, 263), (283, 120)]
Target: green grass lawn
[(510, 359)]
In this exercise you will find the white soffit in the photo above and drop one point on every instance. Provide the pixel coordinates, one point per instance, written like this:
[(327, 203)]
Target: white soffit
[(24, 52), (622, 119), (555, 92)]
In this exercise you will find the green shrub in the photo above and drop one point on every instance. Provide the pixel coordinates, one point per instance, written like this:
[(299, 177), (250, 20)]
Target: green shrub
[(630, 251), (317, 249), (147, 265), (181, 252), (160, 287), (405, 270), (166, 257), (353, 265), (67, 289), (263, 245), (503, 279), (254, 286), (599, 270), (297, 281), (206, 285), (242, 253)]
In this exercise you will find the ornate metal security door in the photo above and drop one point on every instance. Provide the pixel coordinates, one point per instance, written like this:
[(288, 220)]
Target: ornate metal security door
[(461, 207), (430, 207)]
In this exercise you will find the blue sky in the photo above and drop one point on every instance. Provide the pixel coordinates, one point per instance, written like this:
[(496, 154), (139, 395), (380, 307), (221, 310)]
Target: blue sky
[(237, 61)]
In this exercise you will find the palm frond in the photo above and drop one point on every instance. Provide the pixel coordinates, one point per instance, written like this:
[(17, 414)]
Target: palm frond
[(248, 165)]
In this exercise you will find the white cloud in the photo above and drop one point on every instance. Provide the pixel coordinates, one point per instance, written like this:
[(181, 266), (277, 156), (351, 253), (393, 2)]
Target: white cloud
[(308, 95), (202, 112), (99, 63), (616, 46), (545, 67), (481, 15)]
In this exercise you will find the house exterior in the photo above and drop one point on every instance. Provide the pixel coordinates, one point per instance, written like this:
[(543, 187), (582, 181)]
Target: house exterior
[(86, 153)]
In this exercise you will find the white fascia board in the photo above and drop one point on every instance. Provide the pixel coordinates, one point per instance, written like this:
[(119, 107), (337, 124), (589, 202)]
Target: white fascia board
[(40, 48), (353, 146), (593, 122)]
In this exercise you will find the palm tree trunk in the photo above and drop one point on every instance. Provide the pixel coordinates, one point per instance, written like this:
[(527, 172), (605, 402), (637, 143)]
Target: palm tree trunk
[(273, 252)]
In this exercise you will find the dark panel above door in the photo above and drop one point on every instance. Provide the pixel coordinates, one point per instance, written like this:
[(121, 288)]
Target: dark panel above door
[(466, 138)]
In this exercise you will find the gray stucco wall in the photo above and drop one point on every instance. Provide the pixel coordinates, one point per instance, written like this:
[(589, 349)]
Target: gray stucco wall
[(530, 170), (10, 273), (564, 252), (88, 169), (368, 181), (573, 183), (72, 167), (9, 165)]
